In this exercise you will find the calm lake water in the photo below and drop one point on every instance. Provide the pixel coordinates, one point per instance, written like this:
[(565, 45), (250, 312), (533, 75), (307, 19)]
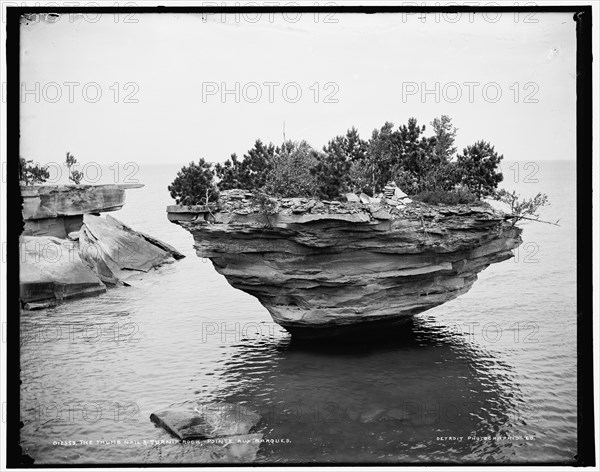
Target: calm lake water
[(496, 366)]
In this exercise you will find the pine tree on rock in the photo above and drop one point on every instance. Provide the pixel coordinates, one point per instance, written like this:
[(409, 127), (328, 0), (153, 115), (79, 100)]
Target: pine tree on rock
[(333, 168), (194, 185), (478, 167)]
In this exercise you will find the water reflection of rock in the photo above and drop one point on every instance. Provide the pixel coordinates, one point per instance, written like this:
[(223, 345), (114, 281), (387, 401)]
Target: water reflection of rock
[(388, 401)]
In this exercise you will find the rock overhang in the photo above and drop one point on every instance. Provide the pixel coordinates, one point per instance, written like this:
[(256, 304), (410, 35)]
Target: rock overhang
[(319, 267)]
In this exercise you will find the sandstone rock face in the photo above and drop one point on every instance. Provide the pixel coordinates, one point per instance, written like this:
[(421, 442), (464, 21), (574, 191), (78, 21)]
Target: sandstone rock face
[(56, 210), (51, 269), (50, 201), (107, 252), (68, 252), (59, 227), (335, 267), (114, 250)]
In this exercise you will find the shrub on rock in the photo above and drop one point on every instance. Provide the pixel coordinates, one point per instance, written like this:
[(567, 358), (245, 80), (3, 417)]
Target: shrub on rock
[(30, 174), (194, 185), (291, 173), (249, 173)]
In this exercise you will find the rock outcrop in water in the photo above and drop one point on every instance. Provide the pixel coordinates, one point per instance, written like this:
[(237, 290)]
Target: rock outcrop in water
[(205, 421), (221, 431), (68, 251), (57, 210), (326, 268)]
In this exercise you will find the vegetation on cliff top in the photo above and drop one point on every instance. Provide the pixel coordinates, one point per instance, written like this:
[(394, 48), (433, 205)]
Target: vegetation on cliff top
[(427, 168), (31, 174), (75, 176), (194, 184)]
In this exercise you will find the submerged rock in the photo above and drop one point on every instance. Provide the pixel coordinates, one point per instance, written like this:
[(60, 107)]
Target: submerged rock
[(230, 450), (210, 420), (335, 272)]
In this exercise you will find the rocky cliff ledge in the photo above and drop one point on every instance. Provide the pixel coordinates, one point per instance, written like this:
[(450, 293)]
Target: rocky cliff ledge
[(57, 210), (327, 268), (69, 251)]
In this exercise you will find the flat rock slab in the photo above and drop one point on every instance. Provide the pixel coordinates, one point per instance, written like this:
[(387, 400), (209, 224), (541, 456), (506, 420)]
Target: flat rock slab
[(352, 197), (382, 214), (51, 269), (116, 248), (206, 421), (104, 251), (50, 201)]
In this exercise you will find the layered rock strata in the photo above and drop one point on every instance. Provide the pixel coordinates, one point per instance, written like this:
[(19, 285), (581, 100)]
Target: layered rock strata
[(327, 268), (68, 251), (57, 210)]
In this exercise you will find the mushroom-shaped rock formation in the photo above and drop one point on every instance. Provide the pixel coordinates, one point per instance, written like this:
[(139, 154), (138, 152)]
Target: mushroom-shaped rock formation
[(330, 268)]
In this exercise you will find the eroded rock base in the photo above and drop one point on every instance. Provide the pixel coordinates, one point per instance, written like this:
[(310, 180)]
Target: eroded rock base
[(369, 330), (326, 269)]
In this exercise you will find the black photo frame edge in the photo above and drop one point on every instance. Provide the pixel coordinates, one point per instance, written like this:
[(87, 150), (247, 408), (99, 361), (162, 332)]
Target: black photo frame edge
[(582, 15)]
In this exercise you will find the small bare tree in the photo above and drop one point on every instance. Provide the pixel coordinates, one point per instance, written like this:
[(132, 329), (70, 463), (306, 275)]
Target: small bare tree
[(523, 209), (75, 176)]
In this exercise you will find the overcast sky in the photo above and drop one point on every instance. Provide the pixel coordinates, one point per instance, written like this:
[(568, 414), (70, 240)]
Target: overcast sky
[(509, 80)]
